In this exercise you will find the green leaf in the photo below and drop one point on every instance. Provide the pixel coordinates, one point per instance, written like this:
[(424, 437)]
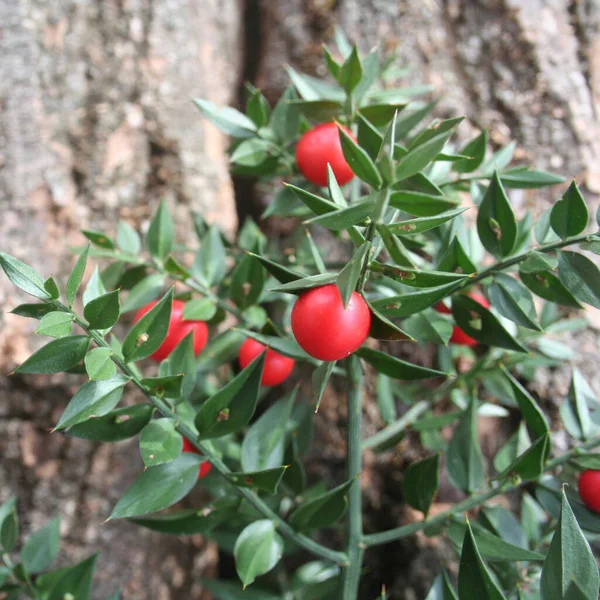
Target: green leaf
[(287, 346), (247, 282), (257, 107), (209, 265), (257, 550), (421, 224), (429, 326), (311, 88), (228, 590), (474, 580), (94, 398), (496, 223), (532, 413), (570, 559), (332, 66), (479, 323), (33, 311), (41, 547), (369, 137), (580, 276), (51, 287), (306, 283), (159, 442), (548, 286), (175, 269), (350, 72), (76, 581), (159, 487), (455, 258), (465, 461), (315, 580), (344, 218), (143, 292), (380, 114), (23, 276), (348, 277), (317, 204), (396, 249), (200, 309), (56, 324), (227, 119), (414, 302), (183, 361), (359, 161), (146, 336), (409, 121), (574, 410), (318, 110), (99, 365), (588, 461), (266, 481), (420, 156), (442, 589), (476, 149), (417, 278), (160, 233), (322, 511), (103, 312), (395, 367), (319, 379), (164, 387), (421, 483), (529, 178), (94, 288), (513, 301), (114, 426), (9, 524), (76, 276), (335, 191), (264, 444), (420, 204), (530, 465), (251, 153), (233, 405), (99, 239), (285, 117), (569, 215), (56, 356), (281, 273), (128, 239)]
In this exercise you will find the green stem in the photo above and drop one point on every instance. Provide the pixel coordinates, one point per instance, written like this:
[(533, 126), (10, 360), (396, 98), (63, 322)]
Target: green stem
[(471, 502), (364, 270), (284, 529), (354, 546), (27, 584)]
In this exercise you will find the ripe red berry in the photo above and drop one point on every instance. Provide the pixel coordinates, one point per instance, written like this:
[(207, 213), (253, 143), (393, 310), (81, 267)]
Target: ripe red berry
[(459, 337), (178, 329), (324, 329), (442, 308), (205, 467), (319, 146), (589, 489), (277, 366)]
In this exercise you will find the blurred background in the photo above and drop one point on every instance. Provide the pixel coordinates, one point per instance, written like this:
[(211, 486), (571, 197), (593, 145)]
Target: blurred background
[(96, 124)]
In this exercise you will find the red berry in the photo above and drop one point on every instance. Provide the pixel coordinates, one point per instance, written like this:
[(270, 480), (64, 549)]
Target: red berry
[(277, 366), (459, 337), (324, 329), (442, 308), (205, 467), (319, 146), (178, 329), (589, 489)]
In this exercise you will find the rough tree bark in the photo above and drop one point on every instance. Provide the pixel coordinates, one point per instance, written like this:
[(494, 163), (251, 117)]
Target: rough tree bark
[(95, 123)]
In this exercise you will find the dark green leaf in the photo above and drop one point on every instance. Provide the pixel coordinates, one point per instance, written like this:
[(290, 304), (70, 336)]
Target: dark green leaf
[(332, 66), (103, 312), (409, 121), (421, 483), (479, 323), (529, 179), (335, 191), (94, 398), (227, 119), (164, 387), (183, 361), (536, 262), (199, 309), (209, 265), (421, 224), (160, 233), (569, 215), (465, 461), (318, 110), (9, 524), (247, 282), (420, 204), (285, 117), (56, 324), (41, 547), (34, 311), (588, 461), (317, 204), (51, 287), (359, 161), (513, 301), (233, 405), (95, 287), (175, 269), (266, 481), (311, 88), (99, 239), (496, 222), (417, 278), (56, 356), (530, 465), (99, 364), (286, 346), (380, 114), (476, 149), (384, 329), (228, 590), (442, 589), (257, 550), (278, 271), (23, 276), (320, 377), (569, 559), (575, 411), (159, 487), (420, 156), (159, 442), (76, 275), (116, 425), (548, 286), (580, 276), (396, 249), (395, 367), (429, 326), (143, 292), (76, 581), (322, 511), (301, 285), (257, 107), (474, 580), (251, 153), (350, 72), (128, 239), (369, 137), (455, 258), (348, 277), (146, 336)]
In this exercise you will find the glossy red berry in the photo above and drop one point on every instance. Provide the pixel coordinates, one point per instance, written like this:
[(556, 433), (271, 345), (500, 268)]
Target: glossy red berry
[(277, 366), (443, 308), (205, 467), (324, 329), (318, 147), (589, 489), (178, 329), (459, 337)]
